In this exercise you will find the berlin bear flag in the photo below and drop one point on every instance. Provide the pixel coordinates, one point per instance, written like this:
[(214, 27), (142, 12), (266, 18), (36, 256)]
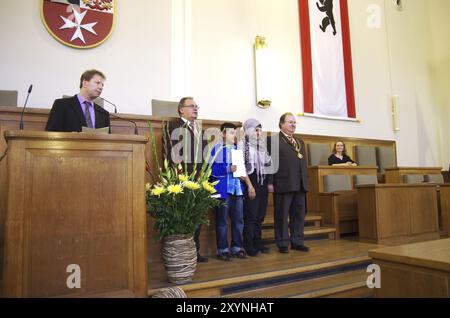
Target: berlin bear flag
[(326, 58)]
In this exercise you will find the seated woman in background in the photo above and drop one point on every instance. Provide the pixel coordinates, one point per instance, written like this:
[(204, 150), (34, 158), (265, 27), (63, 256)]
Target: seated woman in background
[(339, 156)]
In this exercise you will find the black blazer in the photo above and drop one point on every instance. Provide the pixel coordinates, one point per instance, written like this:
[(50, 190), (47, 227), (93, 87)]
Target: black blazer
[(66, 115), (292, 175), (188, 146)]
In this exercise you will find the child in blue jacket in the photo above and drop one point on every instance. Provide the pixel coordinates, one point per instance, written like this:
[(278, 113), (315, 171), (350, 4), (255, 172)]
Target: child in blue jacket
[(232, 193)]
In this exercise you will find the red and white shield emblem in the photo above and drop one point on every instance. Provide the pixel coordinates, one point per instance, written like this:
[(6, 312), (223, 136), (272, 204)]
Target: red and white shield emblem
[(79, 23)]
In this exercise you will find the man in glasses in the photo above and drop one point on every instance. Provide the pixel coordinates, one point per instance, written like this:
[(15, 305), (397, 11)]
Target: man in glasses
[(289, 184), (183, 144)]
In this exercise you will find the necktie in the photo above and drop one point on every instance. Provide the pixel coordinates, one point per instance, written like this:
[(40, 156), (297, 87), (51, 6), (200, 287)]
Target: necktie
[(295, 145), (192, 128), (87, 113), (293, 142)]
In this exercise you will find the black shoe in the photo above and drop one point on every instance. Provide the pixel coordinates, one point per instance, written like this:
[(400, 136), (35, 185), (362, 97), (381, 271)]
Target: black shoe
[(240, 254), (252, 252), (283, 250), (264, 249), (202, 259), (225, 257), (301, 248)]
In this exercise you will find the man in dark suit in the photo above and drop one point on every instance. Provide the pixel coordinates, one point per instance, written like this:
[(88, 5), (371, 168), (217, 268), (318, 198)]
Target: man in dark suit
[(183, 144), (289, 184), (71, 114)]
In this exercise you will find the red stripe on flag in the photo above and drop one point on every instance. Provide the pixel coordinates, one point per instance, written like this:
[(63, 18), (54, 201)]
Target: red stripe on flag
[(348, 69), (305, 40)]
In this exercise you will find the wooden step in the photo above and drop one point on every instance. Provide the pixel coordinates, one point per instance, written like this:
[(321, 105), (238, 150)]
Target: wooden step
[(350, 290), (268, 233), (315, 219), (356, 290), (213, 288), (324, 286)]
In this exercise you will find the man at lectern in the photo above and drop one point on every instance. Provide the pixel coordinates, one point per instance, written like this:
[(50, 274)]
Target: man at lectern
[(73, 113)]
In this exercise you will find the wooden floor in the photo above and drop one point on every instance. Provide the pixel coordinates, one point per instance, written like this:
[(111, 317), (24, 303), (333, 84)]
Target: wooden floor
[(212, 278)]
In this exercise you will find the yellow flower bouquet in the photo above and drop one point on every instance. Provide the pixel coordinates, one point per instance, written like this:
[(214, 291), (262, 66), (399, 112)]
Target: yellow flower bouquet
[(179, 201)]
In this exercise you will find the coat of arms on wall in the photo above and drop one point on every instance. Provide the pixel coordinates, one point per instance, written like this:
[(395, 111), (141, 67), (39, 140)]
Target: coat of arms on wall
[(80, 24)]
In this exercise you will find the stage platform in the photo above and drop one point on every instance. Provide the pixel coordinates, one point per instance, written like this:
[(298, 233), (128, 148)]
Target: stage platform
[(332, 268)]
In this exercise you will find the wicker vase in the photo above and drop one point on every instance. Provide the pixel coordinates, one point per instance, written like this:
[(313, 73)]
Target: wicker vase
[(179, 258)]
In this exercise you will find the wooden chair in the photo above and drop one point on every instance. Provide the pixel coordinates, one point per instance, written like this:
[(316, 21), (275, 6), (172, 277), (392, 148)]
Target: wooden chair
[(164, 108), (338, 204), (385, 158), (364, 179), (413, 178), (318, 154), (367, 156), (8, 98), (434, 178)]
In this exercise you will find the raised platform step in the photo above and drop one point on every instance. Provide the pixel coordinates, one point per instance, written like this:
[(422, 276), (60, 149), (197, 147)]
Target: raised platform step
[(269, 235), (218, 278), (316, 284), (351, 290), (222, 287)]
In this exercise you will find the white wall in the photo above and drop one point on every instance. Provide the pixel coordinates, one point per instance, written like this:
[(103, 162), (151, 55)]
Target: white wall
[(135, 59), (408, 55), (439, 65), (392, 59)]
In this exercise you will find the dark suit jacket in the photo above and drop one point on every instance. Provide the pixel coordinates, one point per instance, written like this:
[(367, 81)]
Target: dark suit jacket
[(188, 149), (292, 175), (66, 115)]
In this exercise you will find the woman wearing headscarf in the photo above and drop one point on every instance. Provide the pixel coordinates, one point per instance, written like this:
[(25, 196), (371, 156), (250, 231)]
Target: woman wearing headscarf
[(257, 159)]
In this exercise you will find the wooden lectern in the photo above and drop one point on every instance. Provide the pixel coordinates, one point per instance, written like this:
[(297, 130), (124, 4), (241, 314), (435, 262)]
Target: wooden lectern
[(395, 214), (75, 205)]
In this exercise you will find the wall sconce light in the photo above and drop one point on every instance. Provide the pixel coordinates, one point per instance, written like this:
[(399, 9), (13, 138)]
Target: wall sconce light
[(262, 73), (398, 5), (395, 113)]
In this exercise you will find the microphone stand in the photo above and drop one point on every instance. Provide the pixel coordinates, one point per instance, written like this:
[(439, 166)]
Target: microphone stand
[(25, 105)]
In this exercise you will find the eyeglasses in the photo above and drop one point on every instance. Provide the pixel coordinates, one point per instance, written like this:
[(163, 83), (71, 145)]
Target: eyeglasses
[(191, 106)]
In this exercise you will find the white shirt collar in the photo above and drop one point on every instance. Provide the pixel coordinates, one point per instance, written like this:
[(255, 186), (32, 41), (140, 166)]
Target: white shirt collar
[(186, 121)]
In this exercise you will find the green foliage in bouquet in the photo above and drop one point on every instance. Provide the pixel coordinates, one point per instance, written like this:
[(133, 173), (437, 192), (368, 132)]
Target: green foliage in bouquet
[(179, 201)]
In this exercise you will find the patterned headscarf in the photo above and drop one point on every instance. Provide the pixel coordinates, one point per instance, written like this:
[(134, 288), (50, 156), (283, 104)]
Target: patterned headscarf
[(255, 151)]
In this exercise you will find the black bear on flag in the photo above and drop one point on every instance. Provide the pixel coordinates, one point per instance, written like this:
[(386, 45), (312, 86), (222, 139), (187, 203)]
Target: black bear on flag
[(327, 7)]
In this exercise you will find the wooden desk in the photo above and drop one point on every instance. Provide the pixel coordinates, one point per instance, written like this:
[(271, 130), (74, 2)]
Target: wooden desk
[(444, 208), (74, 198), (315, 180), (397, 213), (414, 270), (395, 174)]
